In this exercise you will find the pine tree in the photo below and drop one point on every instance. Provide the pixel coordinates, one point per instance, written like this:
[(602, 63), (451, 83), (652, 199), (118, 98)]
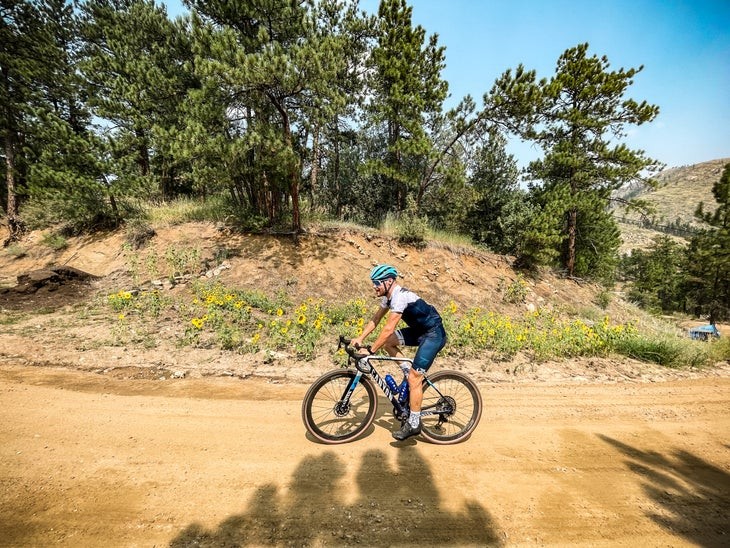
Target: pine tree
[(578, 117), (137, 69), (277, 70), (495, 179), (65, 181), (407, 88), (25, 45), (43, 107), (655, 276), (708, 256), (331, 124)]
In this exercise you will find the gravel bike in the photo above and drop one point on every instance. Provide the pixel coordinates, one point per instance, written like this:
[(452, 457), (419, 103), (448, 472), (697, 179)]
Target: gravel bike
[(341, 404)]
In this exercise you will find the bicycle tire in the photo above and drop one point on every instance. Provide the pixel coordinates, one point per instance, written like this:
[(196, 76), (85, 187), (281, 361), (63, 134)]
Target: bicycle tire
[(330, 424), (463, 402)]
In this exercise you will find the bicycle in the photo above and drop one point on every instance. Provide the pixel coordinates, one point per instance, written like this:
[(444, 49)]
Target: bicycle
[(341, 404)]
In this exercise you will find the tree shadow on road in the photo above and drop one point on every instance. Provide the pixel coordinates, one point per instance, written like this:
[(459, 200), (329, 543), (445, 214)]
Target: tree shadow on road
[(400, 506), (692, 496)]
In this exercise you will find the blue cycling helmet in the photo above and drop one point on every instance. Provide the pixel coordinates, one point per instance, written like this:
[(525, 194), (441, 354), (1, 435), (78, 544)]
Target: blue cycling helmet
[(383, 272)]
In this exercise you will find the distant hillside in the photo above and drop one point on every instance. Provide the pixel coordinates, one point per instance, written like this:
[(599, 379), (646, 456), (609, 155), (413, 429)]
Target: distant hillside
[(674, 201)]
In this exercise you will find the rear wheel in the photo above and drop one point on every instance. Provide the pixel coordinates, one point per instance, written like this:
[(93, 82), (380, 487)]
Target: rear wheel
[(330, 415), (451, 409)]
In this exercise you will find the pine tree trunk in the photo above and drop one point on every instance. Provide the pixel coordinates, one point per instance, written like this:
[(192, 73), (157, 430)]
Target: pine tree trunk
[(16, 227), (143, 154), (572, 228), (294, 170), (315, 168), (336, 174)]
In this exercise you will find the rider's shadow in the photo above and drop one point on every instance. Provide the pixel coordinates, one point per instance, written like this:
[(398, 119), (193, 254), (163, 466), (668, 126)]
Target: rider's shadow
[(394, 505), (384, 415)]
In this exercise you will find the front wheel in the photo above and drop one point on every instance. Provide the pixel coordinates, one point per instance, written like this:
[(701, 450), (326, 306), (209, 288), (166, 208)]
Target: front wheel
[(451, 409), (338, 407)]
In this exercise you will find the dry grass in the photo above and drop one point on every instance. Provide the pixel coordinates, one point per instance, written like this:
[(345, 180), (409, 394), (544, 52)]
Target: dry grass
[(680, 191)]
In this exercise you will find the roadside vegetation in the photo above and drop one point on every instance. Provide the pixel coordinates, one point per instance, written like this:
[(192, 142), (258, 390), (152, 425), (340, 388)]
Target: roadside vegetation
[(211, 315)]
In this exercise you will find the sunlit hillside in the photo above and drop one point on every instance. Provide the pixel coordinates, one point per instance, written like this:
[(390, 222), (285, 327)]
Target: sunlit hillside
[(674, 201)]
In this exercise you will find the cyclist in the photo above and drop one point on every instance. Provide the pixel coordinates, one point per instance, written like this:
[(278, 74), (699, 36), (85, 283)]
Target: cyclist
[(424, 330)]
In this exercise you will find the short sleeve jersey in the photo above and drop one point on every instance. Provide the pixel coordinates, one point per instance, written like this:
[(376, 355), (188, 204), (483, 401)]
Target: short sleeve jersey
[(416, 312)]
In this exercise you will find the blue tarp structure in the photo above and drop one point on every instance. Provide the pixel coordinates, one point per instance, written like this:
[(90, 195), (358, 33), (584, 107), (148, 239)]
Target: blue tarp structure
[(704, 332)]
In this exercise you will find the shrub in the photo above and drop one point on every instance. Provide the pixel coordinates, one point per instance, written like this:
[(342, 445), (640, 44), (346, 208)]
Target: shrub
[(55, 241), (412, 228), (515, 292), (15, 251), (663, 351)]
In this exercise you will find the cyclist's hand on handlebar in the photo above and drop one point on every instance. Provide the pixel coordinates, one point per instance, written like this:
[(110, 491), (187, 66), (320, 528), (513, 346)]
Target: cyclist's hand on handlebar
[(353, 345), (362, 347), (363, 351)]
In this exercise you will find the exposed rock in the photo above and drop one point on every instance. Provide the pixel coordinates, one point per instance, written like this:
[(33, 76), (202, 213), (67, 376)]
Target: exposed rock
[(49, 278)]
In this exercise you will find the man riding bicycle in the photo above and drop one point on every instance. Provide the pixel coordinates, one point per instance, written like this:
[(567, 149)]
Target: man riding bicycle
[(425, 330)]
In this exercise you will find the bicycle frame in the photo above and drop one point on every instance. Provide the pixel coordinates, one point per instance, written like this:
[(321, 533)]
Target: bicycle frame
[(369, 369), (365, 367)]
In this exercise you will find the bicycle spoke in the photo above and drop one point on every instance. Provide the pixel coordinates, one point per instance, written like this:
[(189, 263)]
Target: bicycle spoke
[(329, 417), (452, 407)]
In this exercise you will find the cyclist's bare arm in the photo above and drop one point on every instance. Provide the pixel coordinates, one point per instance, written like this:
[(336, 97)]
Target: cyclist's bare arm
[(369, 327)]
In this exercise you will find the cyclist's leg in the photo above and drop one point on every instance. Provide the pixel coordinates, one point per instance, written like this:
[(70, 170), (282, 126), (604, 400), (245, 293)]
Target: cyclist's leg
[(430, 344), (392, 345)]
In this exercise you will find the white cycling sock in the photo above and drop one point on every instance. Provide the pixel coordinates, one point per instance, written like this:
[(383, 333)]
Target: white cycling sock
[(414, 418)]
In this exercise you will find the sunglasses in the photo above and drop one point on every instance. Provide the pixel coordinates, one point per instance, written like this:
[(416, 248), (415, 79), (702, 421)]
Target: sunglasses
[(378, 283)]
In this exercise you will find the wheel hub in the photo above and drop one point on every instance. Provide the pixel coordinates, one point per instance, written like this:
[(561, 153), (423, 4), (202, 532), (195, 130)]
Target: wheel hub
[(341, 409)]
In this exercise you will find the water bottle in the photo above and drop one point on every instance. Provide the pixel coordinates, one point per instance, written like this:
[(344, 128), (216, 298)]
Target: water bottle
[(403, 391), (390, 381)]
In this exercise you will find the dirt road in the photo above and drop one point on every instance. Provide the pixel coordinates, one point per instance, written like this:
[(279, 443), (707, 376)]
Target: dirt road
[(88, 460)]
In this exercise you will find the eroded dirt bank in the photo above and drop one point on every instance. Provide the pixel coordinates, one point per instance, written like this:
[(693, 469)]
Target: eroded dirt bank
[(90, 460)]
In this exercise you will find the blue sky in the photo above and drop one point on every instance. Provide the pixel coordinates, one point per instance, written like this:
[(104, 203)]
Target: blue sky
[(684, 46)]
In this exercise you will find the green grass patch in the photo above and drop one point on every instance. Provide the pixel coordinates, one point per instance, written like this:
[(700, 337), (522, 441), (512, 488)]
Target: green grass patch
[(660, 350), (10, 317), (720, 349), (55, 241)]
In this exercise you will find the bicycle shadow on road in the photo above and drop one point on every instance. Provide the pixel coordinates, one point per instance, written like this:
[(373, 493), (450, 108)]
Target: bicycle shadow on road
[(691, 494), (394, 506)]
